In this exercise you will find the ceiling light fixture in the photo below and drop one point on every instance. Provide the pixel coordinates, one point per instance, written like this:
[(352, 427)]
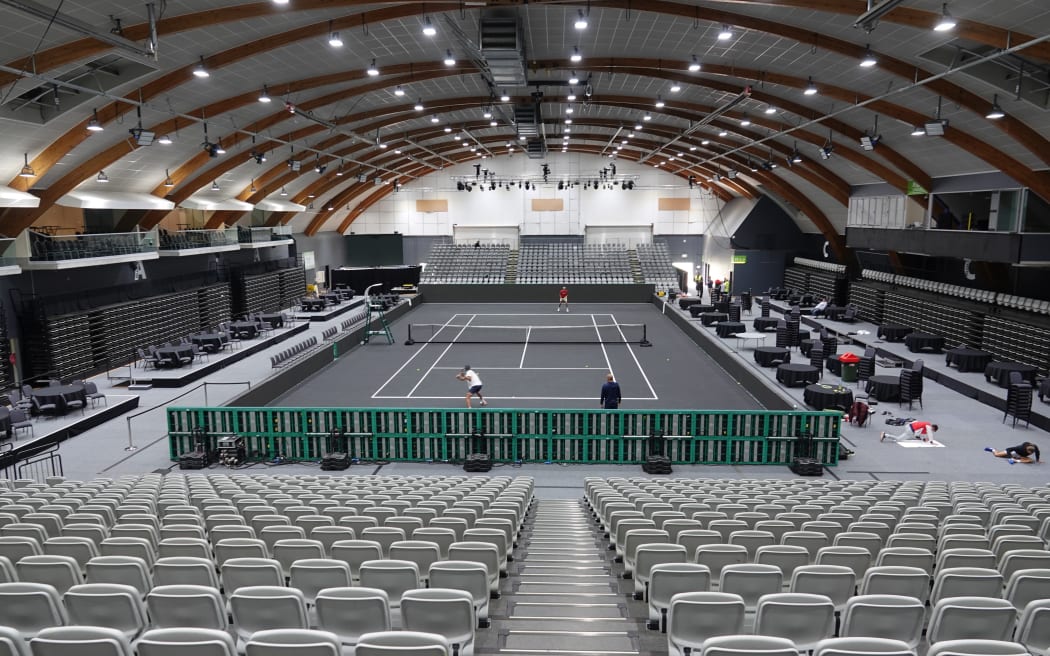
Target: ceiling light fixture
[(575, 56), (569, 110), (428, 27), (581, 20), (825, 151), (335, 40), (725, 33), (372, 70), (868, 60), (102, 177), (27, 170), (574, 79), (398, 91), (168, 182), (869, 141), (675, 87), (572, 95), (996, 112), (164, 140), (647, 117), (918, 131), (219, 150), (745, 121), (694, 65), (449, 59), (200, 71), (796, 157), (215, 185), (94, 125), (435, 119), (284, 192), (487, 113), (771, 109), (659, 102), (811, 89), (503, 96), (280, 2), (946, 21), (264, 95), (723, 133), (419, 105)]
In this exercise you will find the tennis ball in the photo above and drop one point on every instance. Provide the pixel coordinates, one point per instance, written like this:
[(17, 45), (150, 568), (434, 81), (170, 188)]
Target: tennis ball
[(417, 369)]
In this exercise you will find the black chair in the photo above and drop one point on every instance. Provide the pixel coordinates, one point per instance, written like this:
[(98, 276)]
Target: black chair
[(20, 421), (44, 408), (764, 307), (850, 315), (829, 342), (93, 394), (148, 359), (1018, 399), (911, 384), (866, 366)]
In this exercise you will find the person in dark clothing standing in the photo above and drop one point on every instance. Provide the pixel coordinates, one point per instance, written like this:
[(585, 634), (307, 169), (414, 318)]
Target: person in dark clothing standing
[(610, 393)]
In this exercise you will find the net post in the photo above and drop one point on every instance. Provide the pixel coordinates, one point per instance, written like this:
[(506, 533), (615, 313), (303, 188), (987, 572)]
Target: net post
[(409, 341), (645, 341)]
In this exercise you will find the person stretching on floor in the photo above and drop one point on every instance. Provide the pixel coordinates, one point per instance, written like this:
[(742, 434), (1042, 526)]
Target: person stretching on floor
[(473, 384), (1025, 452), (918, 430)]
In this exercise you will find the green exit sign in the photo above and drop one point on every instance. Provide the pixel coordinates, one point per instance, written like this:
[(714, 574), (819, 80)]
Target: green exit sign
[(740, 259)]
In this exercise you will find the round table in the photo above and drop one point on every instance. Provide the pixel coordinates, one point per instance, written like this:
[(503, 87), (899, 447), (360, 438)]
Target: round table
[(822, 396), (767, 356), (171, 355), (312, 305), (884, 388), (765, 323), (244, 329), (892, 332), (729, 328), (999, 372), (210, 342), (919, 342), (708, 318), (60, 395), (685, 301), (794, 375), (967, 359), (697, 310), (834, 312), (749, 337)]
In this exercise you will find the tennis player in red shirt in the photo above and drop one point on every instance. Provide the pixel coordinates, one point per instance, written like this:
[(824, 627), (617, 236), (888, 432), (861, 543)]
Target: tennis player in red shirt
[(563, 299)]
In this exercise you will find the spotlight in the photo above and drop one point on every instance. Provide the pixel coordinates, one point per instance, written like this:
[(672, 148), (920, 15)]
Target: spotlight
[(362, 177), (744, 122), (723, 133), (575, 56), (200, 71), (435, 119), (258, 157), (868, 142), (164, 140), (168, 182), (659, 102), (647, 117), (825, 151), (372, 70), (692, 181), (487, 113), (284, 192), (215, 185), (731, 174), (459, 185), (770, 109), (334, 40), (581, 20), (211, 149), (449, 59), (572, 95), (996, 112), (504, 97), (946, 22), (561, 185), (675, 87), (573, 79), (27, 170), (142, 137), (219, 150), (868, 60), (321, 168), (102, 177), (94, 125), (295, 165), (694, 65), (796, 158), (428, 27)]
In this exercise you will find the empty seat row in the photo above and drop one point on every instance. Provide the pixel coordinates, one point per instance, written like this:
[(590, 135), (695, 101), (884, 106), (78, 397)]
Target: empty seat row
[(290, 354)]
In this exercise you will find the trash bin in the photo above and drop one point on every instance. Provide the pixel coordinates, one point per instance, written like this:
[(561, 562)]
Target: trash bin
[(849, 367)]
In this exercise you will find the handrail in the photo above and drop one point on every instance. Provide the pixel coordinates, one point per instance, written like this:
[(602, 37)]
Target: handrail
[(131, 443)]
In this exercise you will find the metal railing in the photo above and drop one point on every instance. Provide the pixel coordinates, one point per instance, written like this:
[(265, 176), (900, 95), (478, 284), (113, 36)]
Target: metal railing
[(131, 440), (515, 435)]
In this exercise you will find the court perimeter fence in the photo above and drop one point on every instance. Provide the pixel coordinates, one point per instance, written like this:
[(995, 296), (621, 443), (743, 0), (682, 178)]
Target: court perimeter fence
[(745, 437)]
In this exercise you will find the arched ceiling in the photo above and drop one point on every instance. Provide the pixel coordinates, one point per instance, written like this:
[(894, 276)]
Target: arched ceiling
[(60, 74)]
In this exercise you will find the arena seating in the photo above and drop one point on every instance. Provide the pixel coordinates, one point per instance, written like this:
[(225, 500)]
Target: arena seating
[(564, 263), (133, 560), (655, 263), (965, 562), (452, 264)]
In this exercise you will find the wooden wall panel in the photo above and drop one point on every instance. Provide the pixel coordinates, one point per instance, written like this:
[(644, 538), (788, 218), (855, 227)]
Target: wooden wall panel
[(673, 204), (434, 205), (548, 204)]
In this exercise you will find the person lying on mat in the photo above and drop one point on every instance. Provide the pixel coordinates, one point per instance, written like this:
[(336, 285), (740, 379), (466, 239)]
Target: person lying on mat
[(1025, 452), (917, 430)]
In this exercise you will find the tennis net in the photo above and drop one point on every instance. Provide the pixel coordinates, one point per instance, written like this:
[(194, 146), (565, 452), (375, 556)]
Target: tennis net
[(615, 333)]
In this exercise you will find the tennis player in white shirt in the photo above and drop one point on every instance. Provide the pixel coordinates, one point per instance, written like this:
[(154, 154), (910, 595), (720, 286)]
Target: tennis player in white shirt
[(473, 384)]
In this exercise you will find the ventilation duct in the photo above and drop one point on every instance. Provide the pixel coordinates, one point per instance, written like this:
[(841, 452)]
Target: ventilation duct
[(503, 47)]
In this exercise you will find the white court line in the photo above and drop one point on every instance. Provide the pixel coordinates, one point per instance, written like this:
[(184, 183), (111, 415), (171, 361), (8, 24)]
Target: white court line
[(518, 398), (524, 368), (414, 356), (525, 348), (635, 358), (438, 359), (597, 331)]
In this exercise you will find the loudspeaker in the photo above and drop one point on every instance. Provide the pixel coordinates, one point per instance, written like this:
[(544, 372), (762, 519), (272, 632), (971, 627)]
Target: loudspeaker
[(807, 467)]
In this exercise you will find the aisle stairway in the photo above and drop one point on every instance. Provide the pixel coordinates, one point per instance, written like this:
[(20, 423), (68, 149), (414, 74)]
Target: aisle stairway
[(636, 266), (511, 275), (563, 595)]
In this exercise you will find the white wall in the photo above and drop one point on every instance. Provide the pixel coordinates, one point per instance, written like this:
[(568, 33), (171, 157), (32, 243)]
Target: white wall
[(501, 207), (718, 250)]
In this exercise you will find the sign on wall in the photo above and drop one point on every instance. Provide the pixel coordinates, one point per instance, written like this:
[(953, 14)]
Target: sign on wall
[(432, 205), (673, 204), (548, 205)]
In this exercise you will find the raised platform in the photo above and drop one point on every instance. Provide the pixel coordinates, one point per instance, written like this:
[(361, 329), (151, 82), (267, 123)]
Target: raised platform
[(48, 431), (332, 312), (181, 376), (970, 384), (745, 437)]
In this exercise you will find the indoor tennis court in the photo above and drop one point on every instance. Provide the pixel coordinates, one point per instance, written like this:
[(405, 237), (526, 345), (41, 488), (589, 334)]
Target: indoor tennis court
[(527, 355)]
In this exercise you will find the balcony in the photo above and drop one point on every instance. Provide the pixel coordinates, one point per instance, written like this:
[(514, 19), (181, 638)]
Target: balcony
[(182, 243), (51, 252), (263, 237)]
